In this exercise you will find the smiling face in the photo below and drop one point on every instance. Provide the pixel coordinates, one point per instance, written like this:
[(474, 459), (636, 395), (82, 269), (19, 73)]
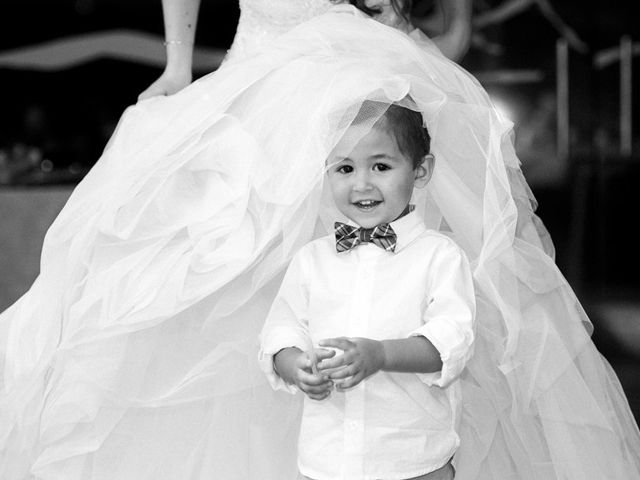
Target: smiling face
[(371, 184)]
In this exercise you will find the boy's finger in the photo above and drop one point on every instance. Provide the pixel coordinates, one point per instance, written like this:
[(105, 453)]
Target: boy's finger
[(343, 373), (342, 343), (303, 361), (317, 389), (348, 383), (328, 372), (321, 396), (324, 353), (311, 379), (335, 362)]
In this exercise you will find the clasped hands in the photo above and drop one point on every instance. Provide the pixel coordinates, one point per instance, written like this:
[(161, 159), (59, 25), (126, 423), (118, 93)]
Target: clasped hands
[(317, 377)]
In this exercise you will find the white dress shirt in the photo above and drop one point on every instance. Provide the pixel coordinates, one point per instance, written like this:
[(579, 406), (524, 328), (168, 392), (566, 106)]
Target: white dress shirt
[(391, 425)]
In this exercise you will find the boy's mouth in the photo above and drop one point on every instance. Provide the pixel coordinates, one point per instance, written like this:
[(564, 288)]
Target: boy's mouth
[(367, 204)]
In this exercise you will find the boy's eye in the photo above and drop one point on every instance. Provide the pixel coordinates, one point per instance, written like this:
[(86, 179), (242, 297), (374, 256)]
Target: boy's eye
[(344, 169), (381, 167)]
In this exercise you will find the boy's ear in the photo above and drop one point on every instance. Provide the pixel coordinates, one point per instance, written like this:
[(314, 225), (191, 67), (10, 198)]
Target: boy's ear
[(424, 171)]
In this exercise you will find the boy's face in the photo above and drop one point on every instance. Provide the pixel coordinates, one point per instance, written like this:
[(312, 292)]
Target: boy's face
[(373, 183)]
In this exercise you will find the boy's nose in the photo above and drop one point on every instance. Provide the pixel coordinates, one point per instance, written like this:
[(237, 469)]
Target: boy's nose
[(362, 182)]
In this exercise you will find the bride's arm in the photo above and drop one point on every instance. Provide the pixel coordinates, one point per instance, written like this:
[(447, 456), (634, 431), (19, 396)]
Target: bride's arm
[(456, 37), (180, 19)]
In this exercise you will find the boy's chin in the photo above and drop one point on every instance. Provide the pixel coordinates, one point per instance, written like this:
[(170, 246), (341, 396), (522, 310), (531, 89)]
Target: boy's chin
[(369, 223), (370, 219)]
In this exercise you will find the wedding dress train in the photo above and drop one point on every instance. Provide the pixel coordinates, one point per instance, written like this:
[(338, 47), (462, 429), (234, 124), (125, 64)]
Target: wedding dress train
[(134, 354)]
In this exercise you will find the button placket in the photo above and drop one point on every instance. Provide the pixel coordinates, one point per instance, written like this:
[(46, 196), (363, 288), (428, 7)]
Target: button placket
[(360, 304), (354, 441), (355, 400)]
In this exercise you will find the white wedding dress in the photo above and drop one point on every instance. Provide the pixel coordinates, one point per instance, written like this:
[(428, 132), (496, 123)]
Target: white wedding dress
[(134, 354), (262, 20)]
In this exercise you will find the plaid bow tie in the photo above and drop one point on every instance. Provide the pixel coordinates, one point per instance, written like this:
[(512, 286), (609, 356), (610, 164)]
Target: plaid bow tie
[(348, 237)]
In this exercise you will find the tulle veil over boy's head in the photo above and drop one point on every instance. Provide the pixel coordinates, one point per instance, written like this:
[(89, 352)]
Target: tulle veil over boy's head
[(401, 120)]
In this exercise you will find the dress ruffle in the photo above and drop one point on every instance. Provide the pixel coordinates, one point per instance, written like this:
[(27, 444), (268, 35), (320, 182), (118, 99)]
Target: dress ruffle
[(134, 354)]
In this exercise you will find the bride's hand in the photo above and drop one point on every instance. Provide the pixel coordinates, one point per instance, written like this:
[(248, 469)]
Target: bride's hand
[(167, 84)]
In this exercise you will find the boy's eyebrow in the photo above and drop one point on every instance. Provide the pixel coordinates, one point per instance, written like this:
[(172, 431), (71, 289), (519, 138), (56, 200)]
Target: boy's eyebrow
[(382, 155), (375, 156)]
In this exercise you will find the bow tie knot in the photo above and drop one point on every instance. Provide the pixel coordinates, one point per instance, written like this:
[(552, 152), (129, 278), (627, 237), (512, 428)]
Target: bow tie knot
[(348, 237)]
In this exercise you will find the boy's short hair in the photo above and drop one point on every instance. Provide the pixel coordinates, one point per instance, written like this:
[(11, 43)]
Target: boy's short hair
[(408, 129), (404, 124)]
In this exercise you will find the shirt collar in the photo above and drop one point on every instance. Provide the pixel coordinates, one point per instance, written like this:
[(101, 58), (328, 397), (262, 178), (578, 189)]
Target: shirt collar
[(407, 228)]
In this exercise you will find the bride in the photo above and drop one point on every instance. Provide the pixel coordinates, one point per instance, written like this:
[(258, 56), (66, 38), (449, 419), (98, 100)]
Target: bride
[(263, 20), (133, 355)]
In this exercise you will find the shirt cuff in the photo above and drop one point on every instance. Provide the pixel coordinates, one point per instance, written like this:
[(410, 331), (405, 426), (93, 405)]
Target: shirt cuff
[(276, 341), (455, 347)]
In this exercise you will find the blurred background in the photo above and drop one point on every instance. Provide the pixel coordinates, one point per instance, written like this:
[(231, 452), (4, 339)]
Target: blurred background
[(562, 70)]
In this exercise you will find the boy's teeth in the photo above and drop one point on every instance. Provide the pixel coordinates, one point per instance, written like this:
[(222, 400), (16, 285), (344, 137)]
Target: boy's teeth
[(367, 204)]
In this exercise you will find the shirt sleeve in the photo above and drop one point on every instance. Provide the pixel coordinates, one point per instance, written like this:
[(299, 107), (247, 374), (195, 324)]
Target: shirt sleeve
[(286, 324), (450, 314)]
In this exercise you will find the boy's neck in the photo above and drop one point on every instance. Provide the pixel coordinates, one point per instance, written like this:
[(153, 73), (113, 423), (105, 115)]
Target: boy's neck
[(407, 210)]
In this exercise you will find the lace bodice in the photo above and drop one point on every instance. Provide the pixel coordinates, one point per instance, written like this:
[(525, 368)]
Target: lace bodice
[(261, 20)]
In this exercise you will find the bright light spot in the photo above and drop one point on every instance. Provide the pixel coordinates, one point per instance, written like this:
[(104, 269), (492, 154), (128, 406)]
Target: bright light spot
[(503, 108), (46, 165)]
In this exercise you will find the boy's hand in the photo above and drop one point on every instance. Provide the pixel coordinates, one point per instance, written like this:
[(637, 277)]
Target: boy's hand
[(362, 358), (299, 368), (315, 385)]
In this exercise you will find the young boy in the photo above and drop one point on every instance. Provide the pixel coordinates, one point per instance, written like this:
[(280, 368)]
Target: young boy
[(395, 300)]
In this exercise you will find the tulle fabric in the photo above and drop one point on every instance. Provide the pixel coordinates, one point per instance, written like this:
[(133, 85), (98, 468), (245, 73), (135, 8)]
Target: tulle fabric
[(134, 354)]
